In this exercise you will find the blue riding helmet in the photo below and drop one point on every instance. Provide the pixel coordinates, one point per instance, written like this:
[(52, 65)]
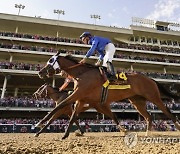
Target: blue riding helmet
[(85, 34)]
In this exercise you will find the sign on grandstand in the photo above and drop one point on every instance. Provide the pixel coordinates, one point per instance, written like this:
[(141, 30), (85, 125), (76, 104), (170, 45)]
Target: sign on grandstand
[(143, 22)]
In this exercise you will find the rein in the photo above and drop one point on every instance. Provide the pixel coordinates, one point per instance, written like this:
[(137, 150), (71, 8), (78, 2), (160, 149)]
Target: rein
[(74, 66)]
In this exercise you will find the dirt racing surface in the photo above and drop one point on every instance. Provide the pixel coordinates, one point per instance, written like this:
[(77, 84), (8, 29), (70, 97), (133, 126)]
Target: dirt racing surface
[(91, 143)]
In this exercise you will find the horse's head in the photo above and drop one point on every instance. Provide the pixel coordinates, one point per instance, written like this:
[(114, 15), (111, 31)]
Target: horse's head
[(52, 67), (41, 92), (47, 91), (58, 63)]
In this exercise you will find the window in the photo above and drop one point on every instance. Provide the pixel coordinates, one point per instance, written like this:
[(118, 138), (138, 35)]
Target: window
[(169, 42), (175, 43), (143, 39), (154, 40), (132, 39), (149, 40), (137, 39), (163, 42)]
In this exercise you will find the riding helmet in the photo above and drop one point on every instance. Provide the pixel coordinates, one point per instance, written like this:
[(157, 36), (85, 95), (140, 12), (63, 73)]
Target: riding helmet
[(85, 34)]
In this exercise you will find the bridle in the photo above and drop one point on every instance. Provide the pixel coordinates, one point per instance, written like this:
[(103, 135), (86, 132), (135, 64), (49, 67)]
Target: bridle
[(57, 70), (41, 90)]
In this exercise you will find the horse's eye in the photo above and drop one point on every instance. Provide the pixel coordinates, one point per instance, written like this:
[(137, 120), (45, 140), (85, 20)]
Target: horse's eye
[(51, 60)]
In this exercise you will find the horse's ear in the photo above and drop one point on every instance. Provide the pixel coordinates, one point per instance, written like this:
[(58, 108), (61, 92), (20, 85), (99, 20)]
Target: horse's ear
[(58, 53)]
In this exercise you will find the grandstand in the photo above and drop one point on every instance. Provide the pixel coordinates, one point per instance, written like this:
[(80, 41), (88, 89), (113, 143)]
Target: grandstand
[(26, 43)]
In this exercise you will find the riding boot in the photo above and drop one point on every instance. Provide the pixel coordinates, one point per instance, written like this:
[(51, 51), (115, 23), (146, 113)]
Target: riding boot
[(106, 72), (112, 75)]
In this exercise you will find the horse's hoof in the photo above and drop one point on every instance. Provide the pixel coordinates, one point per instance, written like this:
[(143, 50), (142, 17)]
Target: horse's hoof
[(177, 125), (78, 133), (36, 135), (64, 137), (124, 130), (148, 133)]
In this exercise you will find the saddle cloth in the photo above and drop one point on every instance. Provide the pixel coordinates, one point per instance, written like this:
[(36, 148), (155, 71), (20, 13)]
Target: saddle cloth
[(120, 83)]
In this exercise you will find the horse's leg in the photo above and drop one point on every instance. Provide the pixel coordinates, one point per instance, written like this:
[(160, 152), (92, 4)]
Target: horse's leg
[(78, 126), (152, 94), (140, 105), (158, 102), (69, 100), (72, 120), (40, 124), (79, 107), (49, 122), (105, 109)]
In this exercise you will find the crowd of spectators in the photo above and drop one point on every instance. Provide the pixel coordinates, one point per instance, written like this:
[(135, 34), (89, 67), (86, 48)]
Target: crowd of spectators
[(143, 58), (20, 66), (77, 52), (149, 48), (150, 106), (162, 75), (26, 102), (73, 40), (38, 37), (37, 67), (99, 125), (48, 103)]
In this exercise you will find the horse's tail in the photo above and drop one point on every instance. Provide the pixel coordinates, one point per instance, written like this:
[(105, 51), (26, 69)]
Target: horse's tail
[(166, 92)]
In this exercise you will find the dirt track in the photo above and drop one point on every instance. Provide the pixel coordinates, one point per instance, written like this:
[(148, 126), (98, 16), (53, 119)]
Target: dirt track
[(90, 143)]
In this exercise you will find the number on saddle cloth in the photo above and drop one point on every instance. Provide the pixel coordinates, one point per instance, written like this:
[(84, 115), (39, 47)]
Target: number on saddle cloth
[(121, 76)]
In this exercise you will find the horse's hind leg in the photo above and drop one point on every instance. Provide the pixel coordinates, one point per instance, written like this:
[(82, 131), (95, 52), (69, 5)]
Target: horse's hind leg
[(140, 105), (105, 109), (49, 122), (72, 120), (78, 126), (158, 102)]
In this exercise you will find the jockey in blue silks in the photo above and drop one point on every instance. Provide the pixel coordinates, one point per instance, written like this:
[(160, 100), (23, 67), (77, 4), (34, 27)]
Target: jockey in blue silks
[(106, 50)]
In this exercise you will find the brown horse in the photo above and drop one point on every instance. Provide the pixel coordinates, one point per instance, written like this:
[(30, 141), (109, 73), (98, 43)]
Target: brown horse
[(47, 91), (89, 88)]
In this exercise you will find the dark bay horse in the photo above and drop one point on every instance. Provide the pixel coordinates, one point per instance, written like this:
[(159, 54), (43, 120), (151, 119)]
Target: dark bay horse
[(47, 91), (89, 88)]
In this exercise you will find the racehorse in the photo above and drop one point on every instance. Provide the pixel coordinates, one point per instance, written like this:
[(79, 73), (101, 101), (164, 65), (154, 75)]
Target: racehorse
[(48, 91), (89, 89)]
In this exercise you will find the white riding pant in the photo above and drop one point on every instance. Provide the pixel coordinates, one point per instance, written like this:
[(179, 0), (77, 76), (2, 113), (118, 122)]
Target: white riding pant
[(109, 53)]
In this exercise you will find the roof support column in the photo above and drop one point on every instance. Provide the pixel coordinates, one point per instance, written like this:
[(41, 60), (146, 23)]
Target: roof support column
[(4, 87), (102, 116), (16, 91), (165, 70), (11, 58), (17, 28), (132, 68)]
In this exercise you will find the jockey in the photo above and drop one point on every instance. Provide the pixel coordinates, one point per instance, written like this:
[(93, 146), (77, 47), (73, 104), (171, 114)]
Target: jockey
[(67, 81), (106, 50)]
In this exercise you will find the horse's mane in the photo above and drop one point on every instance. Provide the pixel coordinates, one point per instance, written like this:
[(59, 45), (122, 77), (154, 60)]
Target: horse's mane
[(70, 57)]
